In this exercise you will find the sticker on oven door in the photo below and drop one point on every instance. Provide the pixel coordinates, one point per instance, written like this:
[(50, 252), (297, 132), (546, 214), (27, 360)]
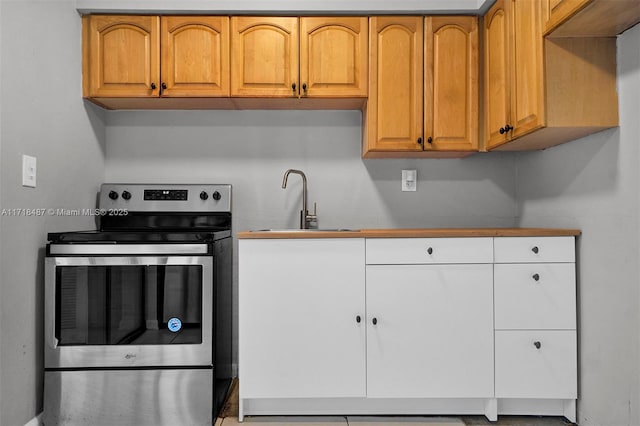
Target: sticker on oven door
[(174, 324)]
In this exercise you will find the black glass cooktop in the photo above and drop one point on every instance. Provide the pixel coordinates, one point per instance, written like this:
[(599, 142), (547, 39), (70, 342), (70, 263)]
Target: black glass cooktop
[(106, 237)]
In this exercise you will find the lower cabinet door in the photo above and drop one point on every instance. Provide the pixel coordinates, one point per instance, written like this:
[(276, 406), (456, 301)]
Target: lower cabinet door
[(536, 364), (299, 304), (430, 331)]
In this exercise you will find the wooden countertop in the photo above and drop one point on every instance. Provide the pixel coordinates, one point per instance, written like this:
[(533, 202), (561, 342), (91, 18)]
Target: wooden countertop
[(410, 233)]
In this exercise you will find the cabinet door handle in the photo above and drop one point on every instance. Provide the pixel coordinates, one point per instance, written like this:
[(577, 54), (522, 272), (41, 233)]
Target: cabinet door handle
[(358, 319), (429, 139), (293, 87), (304, 88), (164, 86), (537, 344), (153, 86), (505, 129), (420, 141), (430, 250), (536, 277), (374, 321), (535, 249)]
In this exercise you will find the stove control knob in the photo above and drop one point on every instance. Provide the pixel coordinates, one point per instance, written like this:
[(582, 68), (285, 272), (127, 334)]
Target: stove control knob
[(216, 195), (204, 195), (126, 195), (113, 195)]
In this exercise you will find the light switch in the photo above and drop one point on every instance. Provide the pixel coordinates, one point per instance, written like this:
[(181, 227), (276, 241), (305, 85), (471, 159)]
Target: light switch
[(409, 180), (29, 171)]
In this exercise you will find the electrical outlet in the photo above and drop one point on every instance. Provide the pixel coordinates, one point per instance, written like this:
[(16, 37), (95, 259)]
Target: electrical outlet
[(29, 171), (409, 180)]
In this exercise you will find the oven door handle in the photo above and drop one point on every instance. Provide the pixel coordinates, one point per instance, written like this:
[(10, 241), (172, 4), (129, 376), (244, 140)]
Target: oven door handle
[(127, 249)]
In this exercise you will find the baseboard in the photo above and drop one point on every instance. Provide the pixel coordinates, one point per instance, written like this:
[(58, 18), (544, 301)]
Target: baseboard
[(36, 421)]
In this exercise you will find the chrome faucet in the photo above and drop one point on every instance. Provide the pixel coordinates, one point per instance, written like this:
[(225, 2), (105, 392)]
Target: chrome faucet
[(305, 218)]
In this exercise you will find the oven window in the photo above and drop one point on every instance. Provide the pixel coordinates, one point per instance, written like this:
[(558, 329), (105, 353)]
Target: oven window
[(128, 305)]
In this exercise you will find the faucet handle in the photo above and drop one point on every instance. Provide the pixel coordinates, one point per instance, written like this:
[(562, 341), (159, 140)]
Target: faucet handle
[(312, 218)]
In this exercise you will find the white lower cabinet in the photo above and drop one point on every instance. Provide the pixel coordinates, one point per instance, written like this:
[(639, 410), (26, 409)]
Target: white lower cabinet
[(536, 364), (535, 322), (353, 326), (433, 331), (299, 301)]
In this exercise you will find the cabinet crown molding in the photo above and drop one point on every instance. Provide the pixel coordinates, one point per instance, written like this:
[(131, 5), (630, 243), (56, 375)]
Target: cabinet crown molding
[(325, 7)]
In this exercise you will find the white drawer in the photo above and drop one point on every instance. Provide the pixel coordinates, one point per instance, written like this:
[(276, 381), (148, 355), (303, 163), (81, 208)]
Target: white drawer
[(524, 370), (534, 249), (535, 296), (429, 250)]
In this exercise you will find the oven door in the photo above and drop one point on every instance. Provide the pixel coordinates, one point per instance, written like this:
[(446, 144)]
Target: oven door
[(128, 311)]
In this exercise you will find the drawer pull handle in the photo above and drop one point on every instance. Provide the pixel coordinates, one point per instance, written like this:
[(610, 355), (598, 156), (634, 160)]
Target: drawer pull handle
[(430, 250), (537, 344), (374, 321), (358, 319), (535, 249), (536, 277)]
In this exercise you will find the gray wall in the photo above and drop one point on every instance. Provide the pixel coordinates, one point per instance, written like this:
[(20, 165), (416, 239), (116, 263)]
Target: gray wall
[(43, 115), (593, 184)]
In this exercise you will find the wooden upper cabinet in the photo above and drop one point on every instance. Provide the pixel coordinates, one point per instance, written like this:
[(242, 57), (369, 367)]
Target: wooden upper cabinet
[(514, 59), (133, 61), (333, 56), (423, 87), (451, 83), (264, 53), (589, 18), (299, 57), (394, 115), (497, 84), (121, 56), (541, 92), (527, 100), (195, 56)]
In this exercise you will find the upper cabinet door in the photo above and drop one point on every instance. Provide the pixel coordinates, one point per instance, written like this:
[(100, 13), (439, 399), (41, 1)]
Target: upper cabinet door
[(333, 56), (123, 56), (497, 77), (195, 56), (451, 83), (264, 56), (527, 100), (394, 110)]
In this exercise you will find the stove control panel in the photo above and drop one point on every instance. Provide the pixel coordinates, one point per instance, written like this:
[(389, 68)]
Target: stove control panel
[(166, 197)]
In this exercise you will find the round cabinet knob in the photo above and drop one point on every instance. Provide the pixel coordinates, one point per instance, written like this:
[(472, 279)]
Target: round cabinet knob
[(304, 87), (126, 195), (216, 196), (164, 86), (419, 141), (204, 195), (430, 250), (507, 128), (537, 344), (535, 249), (358, 319), (502, 130), (374, 321), (113, 195), (429, 139), (536, 277), (153, 86)]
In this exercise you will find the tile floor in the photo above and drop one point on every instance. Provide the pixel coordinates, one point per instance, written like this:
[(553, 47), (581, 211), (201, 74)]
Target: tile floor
[(394, 421)]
